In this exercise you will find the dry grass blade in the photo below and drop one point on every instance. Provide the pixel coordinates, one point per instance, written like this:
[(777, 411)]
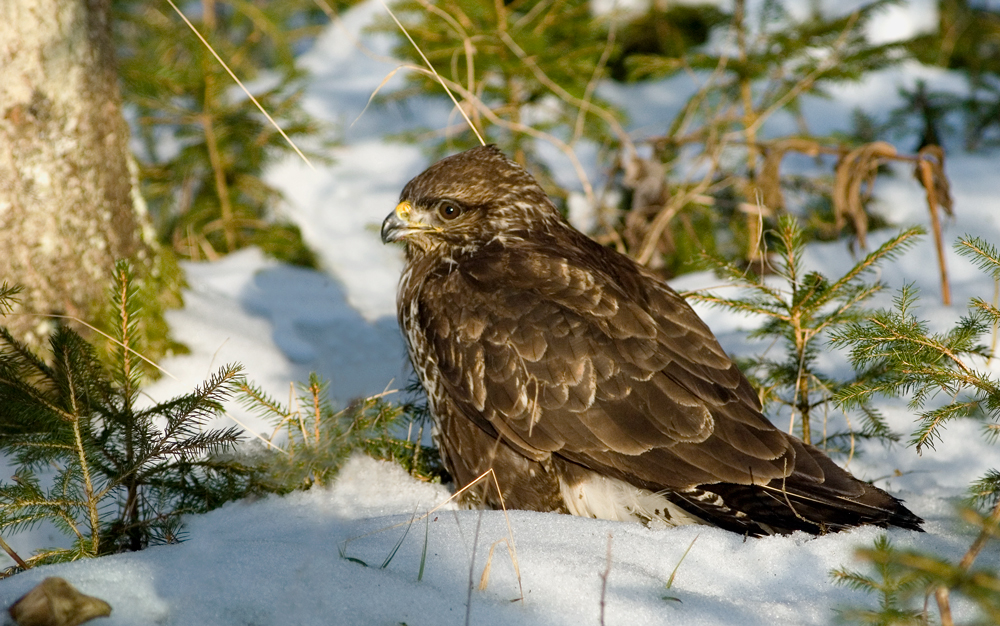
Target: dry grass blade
[(584, 105), (588, 92), (385, 80), (509, 540), (512, 548), (989, 528), (673, 574), (479, 108), (517, 127), (472, 570), (944, 606), (240, 83), (434, 73), (484, 580), (357, 43), (256, 434), (101, 333), (855, 174)]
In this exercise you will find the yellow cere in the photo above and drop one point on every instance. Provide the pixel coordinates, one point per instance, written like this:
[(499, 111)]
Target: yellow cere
[(403, 210)]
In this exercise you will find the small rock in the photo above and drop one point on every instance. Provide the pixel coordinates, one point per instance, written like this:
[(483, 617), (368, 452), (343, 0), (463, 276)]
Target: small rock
[(55, 602)]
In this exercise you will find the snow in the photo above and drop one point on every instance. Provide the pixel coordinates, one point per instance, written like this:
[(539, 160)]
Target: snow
[(278, 560)]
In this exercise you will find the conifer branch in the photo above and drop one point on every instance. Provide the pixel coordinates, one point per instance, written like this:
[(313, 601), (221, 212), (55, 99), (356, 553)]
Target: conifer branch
[(799, 313), (8, 296), (79, 415)]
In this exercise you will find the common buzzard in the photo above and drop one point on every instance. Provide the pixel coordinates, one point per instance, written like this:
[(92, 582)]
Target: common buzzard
[(587, 383)]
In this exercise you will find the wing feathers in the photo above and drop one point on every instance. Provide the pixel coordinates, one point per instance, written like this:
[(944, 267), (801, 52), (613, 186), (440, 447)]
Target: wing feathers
[(585, 355), (630, 321)]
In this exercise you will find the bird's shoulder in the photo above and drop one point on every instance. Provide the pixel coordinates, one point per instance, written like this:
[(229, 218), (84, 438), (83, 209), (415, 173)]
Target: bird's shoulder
[(564, 289), (564, 268)]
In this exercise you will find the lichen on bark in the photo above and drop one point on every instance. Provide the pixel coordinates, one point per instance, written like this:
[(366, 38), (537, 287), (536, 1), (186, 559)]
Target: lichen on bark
[(68, 209)]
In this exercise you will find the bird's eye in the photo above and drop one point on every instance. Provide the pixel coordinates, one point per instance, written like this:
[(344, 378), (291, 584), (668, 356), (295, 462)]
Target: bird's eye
[(449, 211)]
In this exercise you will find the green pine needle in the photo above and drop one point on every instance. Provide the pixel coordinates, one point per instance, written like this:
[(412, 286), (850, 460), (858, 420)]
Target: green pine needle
[(125, 476), (803, 312)]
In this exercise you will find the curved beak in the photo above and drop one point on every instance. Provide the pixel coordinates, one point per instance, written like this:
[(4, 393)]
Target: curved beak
[(396, 225)]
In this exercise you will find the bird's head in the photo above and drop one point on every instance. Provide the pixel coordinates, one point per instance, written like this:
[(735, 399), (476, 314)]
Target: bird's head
[(468, 200)]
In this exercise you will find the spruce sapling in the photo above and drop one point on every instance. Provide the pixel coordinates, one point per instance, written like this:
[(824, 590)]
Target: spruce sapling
[(107, 472), (318, 438), (799, 311), (924, 366)]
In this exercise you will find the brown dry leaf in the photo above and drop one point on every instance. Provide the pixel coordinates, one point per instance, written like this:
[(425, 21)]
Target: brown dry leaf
[(55, 602), (933, 157), (930, 172), (856, 171), (769, 182)]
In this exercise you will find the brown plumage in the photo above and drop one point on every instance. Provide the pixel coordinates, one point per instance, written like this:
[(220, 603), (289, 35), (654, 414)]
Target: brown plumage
[(583, 380)]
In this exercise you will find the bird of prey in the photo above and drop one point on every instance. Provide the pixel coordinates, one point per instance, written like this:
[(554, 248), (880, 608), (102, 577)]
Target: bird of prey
[(585, 382)]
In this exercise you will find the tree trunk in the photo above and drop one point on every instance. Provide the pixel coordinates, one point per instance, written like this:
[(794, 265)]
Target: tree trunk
[(68, 208)]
